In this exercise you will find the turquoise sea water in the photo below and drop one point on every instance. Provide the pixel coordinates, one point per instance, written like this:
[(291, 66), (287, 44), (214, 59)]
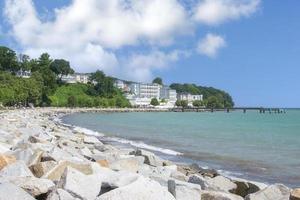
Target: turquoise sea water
[(262, 147)]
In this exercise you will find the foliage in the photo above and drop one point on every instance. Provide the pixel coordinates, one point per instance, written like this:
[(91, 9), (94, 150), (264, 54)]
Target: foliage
[(223, 98), (158, 80), (198, 103), (44, 87), (76, 95), (8, 60), (181, 103), (154, 102), (61, 67), (14, 90), (104, 85)]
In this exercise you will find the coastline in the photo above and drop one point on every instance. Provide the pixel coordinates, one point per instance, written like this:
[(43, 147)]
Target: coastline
[(182, 181)]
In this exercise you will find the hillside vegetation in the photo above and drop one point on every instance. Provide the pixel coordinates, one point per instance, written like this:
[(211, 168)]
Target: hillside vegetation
[(212, 97)]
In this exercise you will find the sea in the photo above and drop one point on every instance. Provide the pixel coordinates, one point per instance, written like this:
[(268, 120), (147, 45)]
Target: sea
[(254, 146)]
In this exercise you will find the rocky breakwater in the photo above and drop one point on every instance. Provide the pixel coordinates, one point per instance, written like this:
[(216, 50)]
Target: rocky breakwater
[(40, 159)]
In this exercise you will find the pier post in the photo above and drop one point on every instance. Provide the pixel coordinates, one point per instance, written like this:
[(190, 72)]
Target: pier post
[(244, 110)]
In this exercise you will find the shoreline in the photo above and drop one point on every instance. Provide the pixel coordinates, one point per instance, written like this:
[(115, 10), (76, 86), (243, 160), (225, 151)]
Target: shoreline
[(187, 180)]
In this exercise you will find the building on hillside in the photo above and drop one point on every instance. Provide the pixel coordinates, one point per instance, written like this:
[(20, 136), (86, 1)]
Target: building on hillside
[(23, 74), (189, 97), (145, 90), (168, 94), (122, 85), (76, 78)]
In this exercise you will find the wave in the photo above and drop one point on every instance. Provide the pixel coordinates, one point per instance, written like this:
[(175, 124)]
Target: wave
[(87, 131), (138, 144), (145, 146)]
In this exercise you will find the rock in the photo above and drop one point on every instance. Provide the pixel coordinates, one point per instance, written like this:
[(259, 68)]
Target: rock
[(216, 195), (197, 179), (12, 192), (141, 189), (55, 173), (195, 169), (4, 148), (222, 183), (184, 192), (244, 188), (17, 168), (112, 179), (60, 194), (42, 168), (295, 194), (36, 157), (103, 163), (179, 176), (272, 192), (34, 186), (85, 152), (91, 140), (24, 154), (80, 185), (6, 160), (150, 158), (172, 187), (128, 164)]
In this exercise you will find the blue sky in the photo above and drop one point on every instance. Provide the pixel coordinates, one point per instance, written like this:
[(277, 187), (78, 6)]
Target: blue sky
[(249, 48)]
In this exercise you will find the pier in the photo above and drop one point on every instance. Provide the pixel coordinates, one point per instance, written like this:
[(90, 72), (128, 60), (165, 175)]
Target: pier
[(261, 110)]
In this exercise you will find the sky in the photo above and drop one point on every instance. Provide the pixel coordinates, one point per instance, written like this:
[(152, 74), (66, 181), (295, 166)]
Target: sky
[(249, 48)]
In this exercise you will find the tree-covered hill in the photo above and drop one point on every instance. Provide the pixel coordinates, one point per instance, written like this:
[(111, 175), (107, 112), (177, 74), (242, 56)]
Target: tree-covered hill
[(212, 97), (46, 88)]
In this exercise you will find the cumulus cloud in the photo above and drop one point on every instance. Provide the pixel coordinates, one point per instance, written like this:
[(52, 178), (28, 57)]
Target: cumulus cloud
[(90, 33), (211, 45), (87, 32), (140, 66), (215, 12)]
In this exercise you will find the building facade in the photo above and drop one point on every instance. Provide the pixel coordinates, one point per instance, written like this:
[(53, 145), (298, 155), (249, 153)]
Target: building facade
[(189, 97), (140, 94), (76, 78)]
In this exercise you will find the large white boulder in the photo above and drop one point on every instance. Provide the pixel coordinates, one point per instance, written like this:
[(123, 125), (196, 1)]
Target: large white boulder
[(150, 158), (9, 191), (34, 186), (60, 194), (129, 164), (86, 187), (273, 192), (222, 183), (141, 189), (217, 195), (91, 140), (18, 168)]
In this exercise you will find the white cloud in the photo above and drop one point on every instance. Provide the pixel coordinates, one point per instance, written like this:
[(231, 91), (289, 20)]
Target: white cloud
[(211, 45), (215, 12), (140, 66), (87, 32)]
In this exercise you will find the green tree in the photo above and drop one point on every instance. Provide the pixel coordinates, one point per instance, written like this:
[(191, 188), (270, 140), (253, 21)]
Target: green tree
[(72, 101), (104, 85), (24, 62), (8, 60), (61, 67), (158, 80), (197, 103), (213, 102), (181, 103), (154, 102)]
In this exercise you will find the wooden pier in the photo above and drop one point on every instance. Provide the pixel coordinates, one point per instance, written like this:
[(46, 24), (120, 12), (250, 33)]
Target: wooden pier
[(261, 110)]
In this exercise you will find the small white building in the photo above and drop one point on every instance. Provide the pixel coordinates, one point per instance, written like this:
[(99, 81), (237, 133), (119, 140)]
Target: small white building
[(23, 74), (189, 97), (76, 78)]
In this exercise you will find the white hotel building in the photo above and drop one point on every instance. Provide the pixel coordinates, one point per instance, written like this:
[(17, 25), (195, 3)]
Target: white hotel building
[(140, 94)]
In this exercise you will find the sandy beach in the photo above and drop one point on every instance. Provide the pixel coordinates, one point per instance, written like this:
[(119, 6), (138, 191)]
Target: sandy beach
[(40, 158)]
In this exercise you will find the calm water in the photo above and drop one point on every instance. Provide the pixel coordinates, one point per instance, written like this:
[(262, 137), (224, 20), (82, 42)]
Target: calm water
[(262, 147)]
